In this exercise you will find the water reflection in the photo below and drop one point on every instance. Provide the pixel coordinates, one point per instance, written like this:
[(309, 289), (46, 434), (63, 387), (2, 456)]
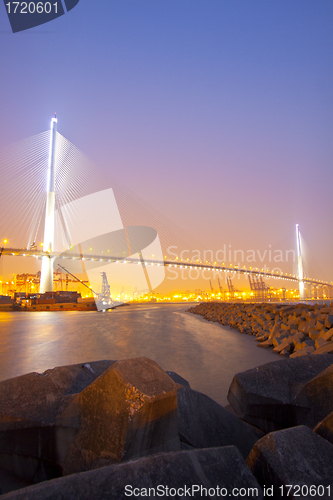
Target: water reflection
[(205, 353)]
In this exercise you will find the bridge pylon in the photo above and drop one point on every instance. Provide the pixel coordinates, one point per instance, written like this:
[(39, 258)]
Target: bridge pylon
[(300, 276), (46, 279)]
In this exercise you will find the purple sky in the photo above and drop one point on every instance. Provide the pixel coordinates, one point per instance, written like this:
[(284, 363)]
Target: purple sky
[(218, 113)]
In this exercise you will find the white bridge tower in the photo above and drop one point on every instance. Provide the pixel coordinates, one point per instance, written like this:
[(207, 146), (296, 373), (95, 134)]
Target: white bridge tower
[(46, 277), (300, 265)]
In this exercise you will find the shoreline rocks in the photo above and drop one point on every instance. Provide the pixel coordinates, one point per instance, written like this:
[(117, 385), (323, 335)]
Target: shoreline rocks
[(92, 430), (294, 331)]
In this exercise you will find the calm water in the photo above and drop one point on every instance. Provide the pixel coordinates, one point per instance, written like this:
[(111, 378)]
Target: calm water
[(204, 353)]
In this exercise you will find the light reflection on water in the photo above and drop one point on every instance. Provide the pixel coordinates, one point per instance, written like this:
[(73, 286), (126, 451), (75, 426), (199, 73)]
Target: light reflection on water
[(204, 353)]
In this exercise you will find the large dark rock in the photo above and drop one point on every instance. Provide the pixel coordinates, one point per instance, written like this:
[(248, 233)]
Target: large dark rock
[(38, 398), (316, 396), (178, 379), (325, 428), (128, 412), (283, 393), (31, 442), (209, 468), (70, 419), (203, 423), (10, 482), (294, 456)]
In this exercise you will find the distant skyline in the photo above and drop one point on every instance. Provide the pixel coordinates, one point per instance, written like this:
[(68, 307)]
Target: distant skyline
[(218, 114)]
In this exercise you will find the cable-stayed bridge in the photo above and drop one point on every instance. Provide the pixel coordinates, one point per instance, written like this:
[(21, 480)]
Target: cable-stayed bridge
[(73, 230), (153, 262)]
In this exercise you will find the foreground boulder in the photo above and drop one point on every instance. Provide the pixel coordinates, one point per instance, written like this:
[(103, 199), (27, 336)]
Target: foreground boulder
[(203, 423), (296, 456), (284, 393), (75, 418), (325, 428), (203, 472), (317, 397), (38, 398)]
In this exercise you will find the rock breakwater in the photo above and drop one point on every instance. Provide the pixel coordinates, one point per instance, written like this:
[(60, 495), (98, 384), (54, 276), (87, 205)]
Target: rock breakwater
[(292, 330), (113, 429)]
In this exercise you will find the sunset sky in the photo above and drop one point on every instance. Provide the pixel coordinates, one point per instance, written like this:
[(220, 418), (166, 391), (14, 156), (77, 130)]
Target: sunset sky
[(217, 113)]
